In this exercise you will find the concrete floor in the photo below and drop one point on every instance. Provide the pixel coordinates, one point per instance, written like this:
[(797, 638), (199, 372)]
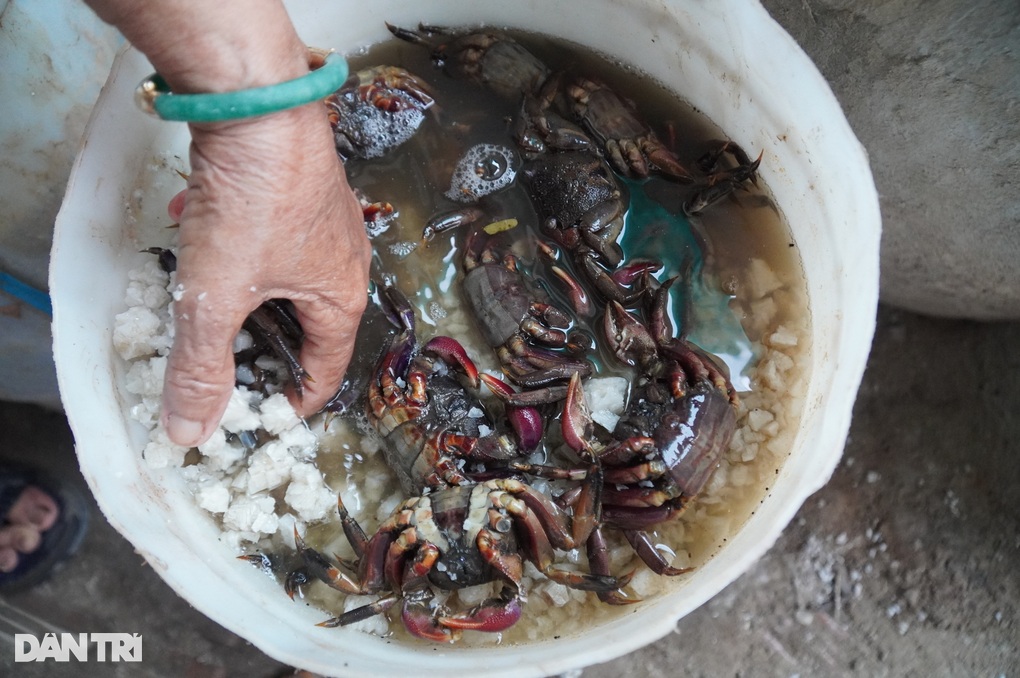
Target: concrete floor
[(905, 563)]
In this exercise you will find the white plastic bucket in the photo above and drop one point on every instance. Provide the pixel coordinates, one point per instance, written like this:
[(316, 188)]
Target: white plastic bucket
[(726, 57)]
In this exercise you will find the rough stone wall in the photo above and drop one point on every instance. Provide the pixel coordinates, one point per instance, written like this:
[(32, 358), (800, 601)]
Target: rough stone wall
[(932, 89)]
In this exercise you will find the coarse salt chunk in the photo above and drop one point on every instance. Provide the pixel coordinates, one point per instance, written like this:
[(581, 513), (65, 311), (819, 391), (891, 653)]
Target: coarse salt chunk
[(243, 341), (145, 377), (557, 594), (606, 398), (300, 441), (266, 473), (213, 497), (251, 514), (782, 337), (474, 595), (132, 331), (150, 273), (606, 393), (277, 414), (758, 419), (285, 529), (645, 583), (388, 505), (220, 454), (143, 294), (307, 494), (761, 279), (239, 415), (146, 412), (160, 452)]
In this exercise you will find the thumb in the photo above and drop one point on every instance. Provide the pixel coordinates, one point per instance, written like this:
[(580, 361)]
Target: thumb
[(200, 369)]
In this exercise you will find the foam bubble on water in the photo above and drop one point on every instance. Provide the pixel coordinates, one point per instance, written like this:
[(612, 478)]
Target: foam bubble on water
[(368, 131), (402, 249), (436, 310), (484, 169)]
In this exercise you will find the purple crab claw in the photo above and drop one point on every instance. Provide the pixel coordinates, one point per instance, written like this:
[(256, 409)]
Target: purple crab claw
[(630, 340), (576, 421), (452, 353), (419, 622), (492, 616), (526, 421)]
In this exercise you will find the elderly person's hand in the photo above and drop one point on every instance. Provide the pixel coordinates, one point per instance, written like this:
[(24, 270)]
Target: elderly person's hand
[(268, 212)]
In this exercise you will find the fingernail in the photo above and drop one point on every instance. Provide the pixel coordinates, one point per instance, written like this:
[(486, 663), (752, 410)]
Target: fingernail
[(184, 431)]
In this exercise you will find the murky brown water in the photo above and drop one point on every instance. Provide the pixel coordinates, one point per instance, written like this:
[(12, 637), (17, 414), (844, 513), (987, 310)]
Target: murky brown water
[(750, 291)]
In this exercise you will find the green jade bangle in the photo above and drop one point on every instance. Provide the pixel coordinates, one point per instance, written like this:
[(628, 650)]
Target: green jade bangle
[(154, 96)]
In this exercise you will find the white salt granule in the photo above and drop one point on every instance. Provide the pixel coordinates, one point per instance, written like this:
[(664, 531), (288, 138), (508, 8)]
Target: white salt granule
[(214, 497), (277, 414), (145, 377), (154, 297), (220, 455), (300, 441), (556, 594), (243, 374), (761, 279), (251, 514), (264, 472), (160, 452), (239, 415), (783, 337), (146, 412), (606, 397), (149, 273), (243, 341), (474, 595), (757, 419), (308, 494), (132, 331), (285, 530)]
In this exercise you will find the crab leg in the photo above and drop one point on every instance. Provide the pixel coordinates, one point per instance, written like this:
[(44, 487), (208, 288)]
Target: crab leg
[(631, 518), (362, 613), (598, 561), (269, 328), (651, 556), (448, 221), (636, 473), (323, 569), (539, 545), (352, 530), (563, 532)]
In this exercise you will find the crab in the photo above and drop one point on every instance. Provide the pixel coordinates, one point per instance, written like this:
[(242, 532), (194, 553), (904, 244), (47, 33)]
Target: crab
[(376, 110), (424, 404), (517, 318), (457, 537)]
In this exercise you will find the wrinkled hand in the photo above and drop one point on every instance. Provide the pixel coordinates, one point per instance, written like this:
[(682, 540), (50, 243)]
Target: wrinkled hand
[(268, 214)]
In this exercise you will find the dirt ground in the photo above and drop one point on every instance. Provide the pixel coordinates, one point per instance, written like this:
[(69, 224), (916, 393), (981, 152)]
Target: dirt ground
[(903, 564)]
